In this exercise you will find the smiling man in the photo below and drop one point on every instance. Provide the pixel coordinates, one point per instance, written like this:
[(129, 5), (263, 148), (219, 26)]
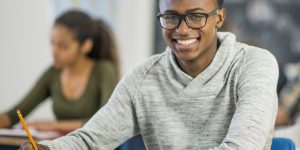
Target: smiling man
[(206, 91), (190, 31)]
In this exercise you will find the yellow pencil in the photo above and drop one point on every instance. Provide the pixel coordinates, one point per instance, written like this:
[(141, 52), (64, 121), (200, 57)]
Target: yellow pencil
[(26, 129)]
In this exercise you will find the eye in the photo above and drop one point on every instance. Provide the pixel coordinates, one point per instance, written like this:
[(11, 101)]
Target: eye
[(169, 17), (195, 17), (61, 46)]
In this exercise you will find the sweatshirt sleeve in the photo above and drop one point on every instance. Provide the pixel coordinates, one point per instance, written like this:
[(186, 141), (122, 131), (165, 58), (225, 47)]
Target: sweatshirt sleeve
[(112, 125), (253, 122)]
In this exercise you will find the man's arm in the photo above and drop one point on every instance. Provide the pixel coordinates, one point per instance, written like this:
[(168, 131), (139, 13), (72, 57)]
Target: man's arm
[(253, 122)]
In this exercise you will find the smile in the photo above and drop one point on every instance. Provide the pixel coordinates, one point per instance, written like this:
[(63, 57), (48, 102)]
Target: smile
[(186, 42)]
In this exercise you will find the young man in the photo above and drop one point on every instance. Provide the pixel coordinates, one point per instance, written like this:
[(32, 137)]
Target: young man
[(206, 91)]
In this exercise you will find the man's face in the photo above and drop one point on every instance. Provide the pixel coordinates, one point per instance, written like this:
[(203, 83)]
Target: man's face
[(189, 44)]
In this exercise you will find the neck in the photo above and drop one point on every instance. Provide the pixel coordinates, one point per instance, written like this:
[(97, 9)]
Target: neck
[(79, 66), (197, 65)]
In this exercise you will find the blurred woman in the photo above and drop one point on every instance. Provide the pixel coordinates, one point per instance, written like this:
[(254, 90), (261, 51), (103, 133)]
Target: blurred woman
[(82, 78)]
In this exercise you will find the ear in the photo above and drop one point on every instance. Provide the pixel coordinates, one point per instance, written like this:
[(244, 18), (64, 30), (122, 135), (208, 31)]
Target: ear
[(221, 18), (87, 46)]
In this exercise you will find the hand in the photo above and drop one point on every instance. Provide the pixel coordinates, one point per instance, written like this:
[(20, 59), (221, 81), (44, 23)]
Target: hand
[(43, 125), (28, 146)]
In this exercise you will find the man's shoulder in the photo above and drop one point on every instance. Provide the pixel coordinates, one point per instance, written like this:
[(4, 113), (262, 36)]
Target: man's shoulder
[(242, 50), (140, 70), (258, 61), (149, 63), (253, 54), (136, 75)]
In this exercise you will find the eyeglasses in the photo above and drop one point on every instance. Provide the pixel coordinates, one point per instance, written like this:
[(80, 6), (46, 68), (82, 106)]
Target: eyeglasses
[(193, 20)]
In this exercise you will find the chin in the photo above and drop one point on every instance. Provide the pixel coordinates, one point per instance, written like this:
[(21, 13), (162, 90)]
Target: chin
[(57, 66), (186, 57)]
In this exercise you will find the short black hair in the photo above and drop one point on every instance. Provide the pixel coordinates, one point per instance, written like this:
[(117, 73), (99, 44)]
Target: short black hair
[(218, 2)]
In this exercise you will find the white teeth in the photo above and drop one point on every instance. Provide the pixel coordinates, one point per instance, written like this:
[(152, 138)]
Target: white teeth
[(186, 42)]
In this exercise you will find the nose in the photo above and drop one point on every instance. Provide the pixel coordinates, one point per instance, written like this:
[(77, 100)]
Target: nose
[(54, 50), (183, 28)]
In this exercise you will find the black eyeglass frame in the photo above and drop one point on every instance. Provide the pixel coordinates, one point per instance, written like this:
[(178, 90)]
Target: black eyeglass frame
[(183, 17)]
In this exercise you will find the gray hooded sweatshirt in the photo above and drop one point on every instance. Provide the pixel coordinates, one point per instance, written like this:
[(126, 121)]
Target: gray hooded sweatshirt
[(230, 105)]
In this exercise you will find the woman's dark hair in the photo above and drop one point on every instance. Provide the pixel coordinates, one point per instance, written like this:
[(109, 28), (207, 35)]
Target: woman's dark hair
[(84, 27)]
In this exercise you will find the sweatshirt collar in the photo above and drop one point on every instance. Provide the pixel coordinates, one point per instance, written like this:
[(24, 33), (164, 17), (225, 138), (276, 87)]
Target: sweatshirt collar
[(227, 40)]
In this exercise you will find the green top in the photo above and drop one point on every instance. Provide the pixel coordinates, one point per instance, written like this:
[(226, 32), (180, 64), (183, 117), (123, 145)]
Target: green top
[(101, 84)]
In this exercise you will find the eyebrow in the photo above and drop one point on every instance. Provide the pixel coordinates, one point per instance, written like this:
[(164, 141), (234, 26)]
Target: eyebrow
[(195, 9), (187, 11)]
